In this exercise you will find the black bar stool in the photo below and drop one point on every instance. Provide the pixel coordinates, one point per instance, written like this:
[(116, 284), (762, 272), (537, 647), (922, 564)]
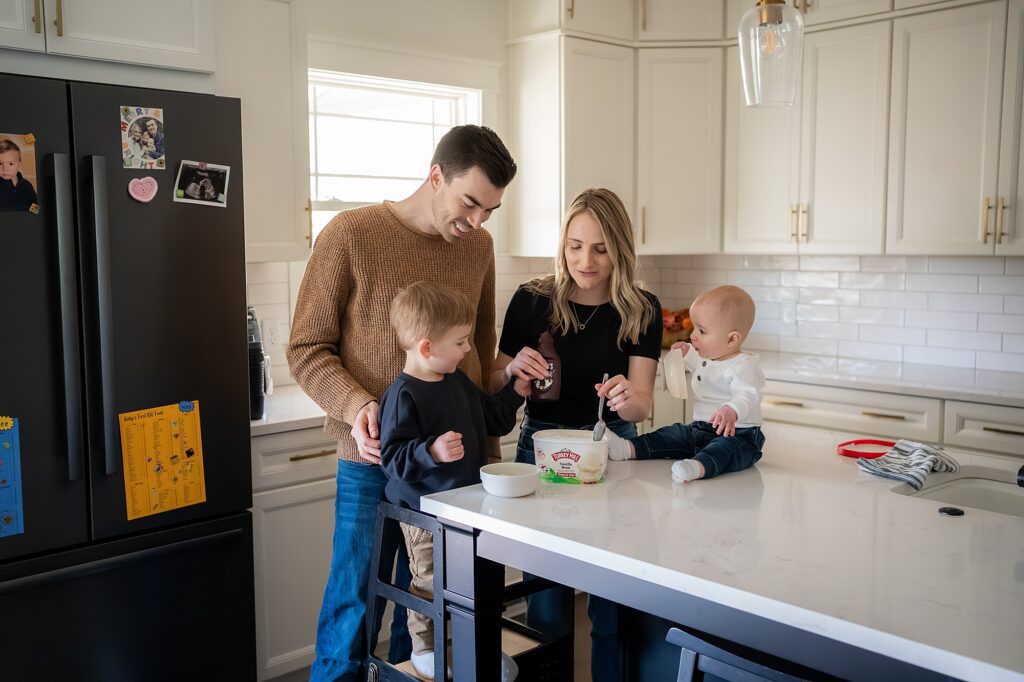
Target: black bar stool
[(700, 658)]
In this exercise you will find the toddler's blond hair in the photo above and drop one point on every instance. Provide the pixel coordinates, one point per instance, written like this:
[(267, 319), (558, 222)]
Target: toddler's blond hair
[(733, 303), (424, 310)]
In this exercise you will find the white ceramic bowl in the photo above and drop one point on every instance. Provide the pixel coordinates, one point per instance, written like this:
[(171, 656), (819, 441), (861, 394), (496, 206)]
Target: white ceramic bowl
[(571, 456), (675, 373), (509, 479)]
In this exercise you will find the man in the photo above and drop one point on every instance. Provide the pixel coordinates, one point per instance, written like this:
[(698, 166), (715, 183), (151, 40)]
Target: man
[(344, 353), (157, 137)]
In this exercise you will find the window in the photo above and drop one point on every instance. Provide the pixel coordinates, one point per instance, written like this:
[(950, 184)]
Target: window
[(371, 139)]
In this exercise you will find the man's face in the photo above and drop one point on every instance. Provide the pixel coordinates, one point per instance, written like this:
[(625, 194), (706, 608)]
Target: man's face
[(464, 204), (151, 127), (10, 164)]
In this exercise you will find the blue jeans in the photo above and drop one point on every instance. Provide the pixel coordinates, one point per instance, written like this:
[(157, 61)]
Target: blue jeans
[(606, 662), (718, 454), (341, 646)]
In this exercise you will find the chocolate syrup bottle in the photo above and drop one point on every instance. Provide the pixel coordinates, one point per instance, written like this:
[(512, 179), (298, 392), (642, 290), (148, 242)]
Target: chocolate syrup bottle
[(547, 389)]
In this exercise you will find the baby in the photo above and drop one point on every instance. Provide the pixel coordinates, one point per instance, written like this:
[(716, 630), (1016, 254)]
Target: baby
[(16, 193), (726, 387), (434, 423)]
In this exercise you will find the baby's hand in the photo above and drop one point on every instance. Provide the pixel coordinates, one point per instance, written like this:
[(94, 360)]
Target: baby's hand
[(447, 448), (522, 387), (681, 345), (724, 421)]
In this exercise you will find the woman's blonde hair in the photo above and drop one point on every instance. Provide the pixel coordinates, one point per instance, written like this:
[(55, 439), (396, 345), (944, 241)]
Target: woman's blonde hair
[(424, 310), (629, 301)]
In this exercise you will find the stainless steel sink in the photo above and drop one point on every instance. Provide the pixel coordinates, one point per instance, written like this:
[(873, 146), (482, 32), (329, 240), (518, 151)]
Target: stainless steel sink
[(975, 487)]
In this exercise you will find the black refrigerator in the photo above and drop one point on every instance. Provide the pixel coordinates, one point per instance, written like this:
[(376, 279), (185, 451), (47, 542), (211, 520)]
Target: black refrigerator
[(122, 296)]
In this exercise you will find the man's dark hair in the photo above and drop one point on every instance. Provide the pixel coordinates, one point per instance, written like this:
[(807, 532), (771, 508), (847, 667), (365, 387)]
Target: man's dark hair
[(466, 146)]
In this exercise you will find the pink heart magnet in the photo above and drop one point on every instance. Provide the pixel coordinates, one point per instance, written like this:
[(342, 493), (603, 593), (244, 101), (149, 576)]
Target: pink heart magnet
[(142, 189)]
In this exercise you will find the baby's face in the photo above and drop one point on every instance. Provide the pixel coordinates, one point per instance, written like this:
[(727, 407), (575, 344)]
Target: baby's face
[(10, 164), (711, 330)]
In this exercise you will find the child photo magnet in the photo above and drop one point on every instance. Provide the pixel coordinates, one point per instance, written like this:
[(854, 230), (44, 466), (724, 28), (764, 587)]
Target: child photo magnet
[(202, 183), (18, 172), (142, 138)]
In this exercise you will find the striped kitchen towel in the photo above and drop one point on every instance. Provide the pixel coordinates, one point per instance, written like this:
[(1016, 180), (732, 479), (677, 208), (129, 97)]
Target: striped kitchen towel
[(909, 462)]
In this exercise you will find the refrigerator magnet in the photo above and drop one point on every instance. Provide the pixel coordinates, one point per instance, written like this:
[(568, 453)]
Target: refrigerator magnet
[(142, 138), (143, 189), (11, 513), (18, 172), (204, 183)]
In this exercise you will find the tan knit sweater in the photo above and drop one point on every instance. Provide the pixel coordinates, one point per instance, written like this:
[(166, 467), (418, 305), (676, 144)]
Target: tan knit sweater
[(342, 349)]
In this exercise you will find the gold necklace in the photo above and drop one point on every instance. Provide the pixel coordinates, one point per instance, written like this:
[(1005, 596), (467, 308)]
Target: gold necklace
[(583, 325)]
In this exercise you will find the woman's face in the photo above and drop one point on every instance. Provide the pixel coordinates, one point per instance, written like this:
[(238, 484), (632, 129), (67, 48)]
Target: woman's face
[(586, 254)]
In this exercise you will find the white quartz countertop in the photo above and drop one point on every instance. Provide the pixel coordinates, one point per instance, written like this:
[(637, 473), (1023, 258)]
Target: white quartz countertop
[(804, 539), (287, 409)]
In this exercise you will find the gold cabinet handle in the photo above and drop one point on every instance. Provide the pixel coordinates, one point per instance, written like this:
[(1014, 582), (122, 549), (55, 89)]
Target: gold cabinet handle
[(785, 403), (789, 225), (309, 222), (801, 232), (796, 5), (572, 8), (996, 429), (643, 224), (807, 6), (1001, 207), (314, 455), (59, 21), (882, 415), (986, 206), (38, 18), (644, 21)]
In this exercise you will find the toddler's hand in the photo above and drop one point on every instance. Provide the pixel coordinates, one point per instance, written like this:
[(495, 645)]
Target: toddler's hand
[(447, 448), (724, 421), (681, 345), (522, 387)]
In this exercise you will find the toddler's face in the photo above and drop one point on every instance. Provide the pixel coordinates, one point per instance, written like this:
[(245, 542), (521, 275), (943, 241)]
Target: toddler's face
[(10, 164), (447, 352), (711, 332)]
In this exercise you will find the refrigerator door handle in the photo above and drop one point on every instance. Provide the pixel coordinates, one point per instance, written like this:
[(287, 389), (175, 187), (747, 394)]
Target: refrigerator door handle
[(69, 314), (104, 307)]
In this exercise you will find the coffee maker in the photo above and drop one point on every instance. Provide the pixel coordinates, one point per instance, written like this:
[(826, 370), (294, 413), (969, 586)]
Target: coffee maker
[(260, 382)]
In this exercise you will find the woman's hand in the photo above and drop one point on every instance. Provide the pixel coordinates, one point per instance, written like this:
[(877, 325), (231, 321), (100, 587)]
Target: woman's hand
[(618, 391), (528, 364)]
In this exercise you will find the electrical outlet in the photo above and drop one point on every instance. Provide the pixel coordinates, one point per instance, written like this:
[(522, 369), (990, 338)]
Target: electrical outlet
[(271, 333)]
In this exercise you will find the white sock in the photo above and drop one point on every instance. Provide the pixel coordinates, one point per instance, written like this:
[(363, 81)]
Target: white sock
[(619, 448), (686, 470)]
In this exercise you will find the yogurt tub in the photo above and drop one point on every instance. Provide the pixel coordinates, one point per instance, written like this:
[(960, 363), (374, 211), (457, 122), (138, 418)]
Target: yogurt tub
[(570, 456)]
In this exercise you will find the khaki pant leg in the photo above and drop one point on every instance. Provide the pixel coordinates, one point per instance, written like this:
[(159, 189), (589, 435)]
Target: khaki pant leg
[(420, 545)]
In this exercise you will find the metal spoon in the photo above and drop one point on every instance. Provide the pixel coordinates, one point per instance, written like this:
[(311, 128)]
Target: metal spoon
[(600, 426)]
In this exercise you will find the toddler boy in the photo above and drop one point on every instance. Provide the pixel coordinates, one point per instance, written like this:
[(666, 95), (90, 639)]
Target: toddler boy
[(16, 193), (726, 387), (434, 423)]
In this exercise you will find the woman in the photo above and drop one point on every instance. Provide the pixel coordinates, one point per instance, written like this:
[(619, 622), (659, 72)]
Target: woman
[(601, 322)]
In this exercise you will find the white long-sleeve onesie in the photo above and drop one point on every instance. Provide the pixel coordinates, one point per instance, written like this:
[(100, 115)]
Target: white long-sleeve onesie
[(736, 382)]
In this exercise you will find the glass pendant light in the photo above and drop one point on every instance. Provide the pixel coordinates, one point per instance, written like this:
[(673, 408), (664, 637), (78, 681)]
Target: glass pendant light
[(771, 40)]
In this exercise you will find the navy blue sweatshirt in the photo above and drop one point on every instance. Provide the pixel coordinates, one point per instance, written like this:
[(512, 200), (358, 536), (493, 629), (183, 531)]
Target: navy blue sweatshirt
[(414, 413), (18, 197)]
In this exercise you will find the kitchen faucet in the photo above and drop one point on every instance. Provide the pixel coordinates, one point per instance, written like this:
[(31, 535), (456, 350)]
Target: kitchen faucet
[(1020, 476)]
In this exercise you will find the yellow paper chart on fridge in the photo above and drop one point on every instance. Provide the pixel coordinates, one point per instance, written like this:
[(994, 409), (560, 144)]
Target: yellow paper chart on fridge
[(162, 456)]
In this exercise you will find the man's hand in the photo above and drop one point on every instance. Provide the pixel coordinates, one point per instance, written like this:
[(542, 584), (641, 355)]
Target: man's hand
[(724, 421), (447, 448), (367, 434)]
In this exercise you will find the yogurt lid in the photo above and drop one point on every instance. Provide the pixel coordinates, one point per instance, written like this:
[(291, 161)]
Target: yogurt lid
[(572, 435)]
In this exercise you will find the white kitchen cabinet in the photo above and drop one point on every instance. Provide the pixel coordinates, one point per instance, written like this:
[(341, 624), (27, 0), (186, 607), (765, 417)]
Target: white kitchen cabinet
[(611, 18), (985, 427), (292, 541), (679, 19), (291, 457), (814, 11), (269, 75), (571, 127), (811, 179), (1009, 228), (904, 4), (21, 25), (679, 143), (947, 80)]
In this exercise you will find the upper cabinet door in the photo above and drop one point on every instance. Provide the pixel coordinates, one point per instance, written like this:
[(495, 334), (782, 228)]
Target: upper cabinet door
[(1009, 224), (21, 25), (613, 18), (762, 159), (947, 79), (172, 33), (679, 19), (820, 11), (843, 147), (679, 150)]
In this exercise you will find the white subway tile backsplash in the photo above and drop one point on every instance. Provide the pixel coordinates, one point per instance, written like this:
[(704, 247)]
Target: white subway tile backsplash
[(879, 369), (855, 315), (787, 311), (1010, 324), (803, 344), (1015, 265), (893, 299), (935, 319), (1013, 343), (264, 294), (843, 263), (948, 283), (777, 327), (966, 265), (968, 303), (1002, 362), (743, 278), (827, 330), (511, 264), (774, 294), (899, 335), (708, 278), (763, 342), (872, 280), (718, 262), (943, 338), (1014, 304), (817, 313), (828, 296), (942, 376), (771, 263), (810, 279), (870, 351), (1002, 284), (769, 311), (265, 273), (938, 356), (894, 263)]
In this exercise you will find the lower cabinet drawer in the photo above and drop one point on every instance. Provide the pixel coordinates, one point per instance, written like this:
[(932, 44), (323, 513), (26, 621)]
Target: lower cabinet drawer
[(985, 427), (865, 412), (292, 457)]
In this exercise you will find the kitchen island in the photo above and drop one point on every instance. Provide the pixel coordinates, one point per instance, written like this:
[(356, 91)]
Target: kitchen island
[(802, 557)]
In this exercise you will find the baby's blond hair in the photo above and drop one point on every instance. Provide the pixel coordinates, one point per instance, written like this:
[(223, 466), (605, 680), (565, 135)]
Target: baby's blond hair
[(734, 304), (424, 310)]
